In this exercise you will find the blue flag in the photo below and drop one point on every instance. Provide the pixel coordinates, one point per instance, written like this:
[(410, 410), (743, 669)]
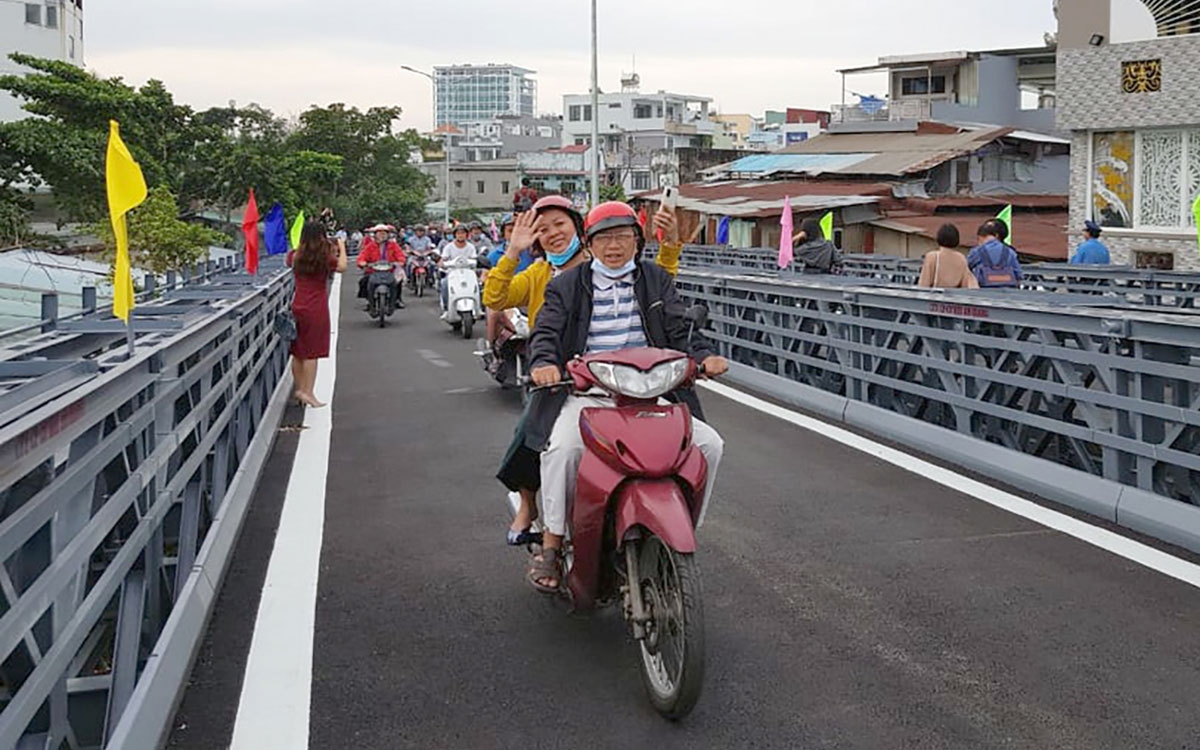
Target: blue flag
[(723, 231), (275, 231)]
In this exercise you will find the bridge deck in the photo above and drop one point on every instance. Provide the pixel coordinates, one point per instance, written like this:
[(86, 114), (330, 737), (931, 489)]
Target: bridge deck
[(849, 603)]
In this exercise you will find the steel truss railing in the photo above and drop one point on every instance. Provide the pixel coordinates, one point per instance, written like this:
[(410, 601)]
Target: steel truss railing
[(122, 485), (1116, 284), (1112, 393)]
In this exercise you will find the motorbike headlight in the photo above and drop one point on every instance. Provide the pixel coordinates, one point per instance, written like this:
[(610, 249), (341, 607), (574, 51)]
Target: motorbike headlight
[(632, 382)]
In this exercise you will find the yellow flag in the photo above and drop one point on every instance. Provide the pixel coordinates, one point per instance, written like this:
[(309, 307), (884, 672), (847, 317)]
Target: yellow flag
[(126, 191), (827, 225)]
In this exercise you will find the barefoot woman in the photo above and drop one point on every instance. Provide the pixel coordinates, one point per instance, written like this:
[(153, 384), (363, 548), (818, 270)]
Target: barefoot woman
[(312, 264)]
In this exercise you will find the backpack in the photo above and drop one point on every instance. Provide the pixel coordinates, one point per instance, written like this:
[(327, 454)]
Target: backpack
[(989, 274)]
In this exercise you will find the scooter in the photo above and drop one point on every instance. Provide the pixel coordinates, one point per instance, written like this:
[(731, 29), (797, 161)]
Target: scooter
[(506, 360), (381, 292), (462, 306), (638, 498), (422, 273)]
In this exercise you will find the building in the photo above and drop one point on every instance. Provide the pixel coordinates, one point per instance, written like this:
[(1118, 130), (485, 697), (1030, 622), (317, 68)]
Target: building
[(1133, 112), (565, 171), (506, 136), (47, 28), (473, 93), (934, 159), (477, 186), (737, 127), (633, 126), (1007, 87)]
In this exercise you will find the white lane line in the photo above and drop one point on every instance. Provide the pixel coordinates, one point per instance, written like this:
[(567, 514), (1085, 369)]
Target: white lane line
[(273, 712), (433, 358), (1129, 549)]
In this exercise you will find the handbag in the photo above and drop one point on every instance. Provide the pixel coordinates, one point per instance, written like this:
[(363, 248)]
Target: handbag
[(285, 326)]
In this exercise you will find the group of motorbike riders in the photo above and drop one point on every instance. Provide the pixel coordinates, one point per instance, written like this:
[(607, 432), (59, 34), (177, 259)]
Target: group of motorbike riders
[(584, 288)]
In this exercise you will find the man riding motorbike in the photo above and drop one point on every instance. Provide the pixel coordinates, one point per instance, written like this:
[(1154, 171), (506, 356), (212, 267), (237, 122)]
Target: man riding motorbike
[(476, 237), (613, 302), (420, 247), (378, 248), (552, 229), (458, 248)]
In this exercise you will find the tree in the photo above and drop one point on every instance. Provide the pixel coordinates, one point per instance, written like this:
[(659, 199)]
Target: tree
[(158, 240), (614, 192)]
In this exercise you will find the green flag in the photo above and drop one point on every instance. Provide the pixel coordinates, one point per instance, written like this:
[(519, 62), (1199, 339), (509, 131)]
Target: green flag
[(297, 227), (1196, 213), (827, 225), (1006, 217)]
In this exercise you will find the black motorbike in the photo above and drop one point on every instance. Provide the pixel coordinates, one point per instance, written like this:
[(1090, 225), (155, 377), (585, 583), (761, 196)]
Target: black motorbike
[(382, 292), (507, 362)]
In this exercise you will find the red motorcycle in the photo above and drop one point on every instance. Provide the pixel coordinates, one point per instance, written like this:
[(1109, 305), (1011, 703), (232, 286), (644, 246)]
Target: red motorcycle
[(638, 498), (421, 273)]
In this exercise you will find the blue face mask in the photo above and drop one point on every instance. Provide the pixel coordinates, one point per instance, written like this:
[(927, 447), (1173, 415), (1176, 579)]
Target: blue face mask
[(559, 259), (614, 273)]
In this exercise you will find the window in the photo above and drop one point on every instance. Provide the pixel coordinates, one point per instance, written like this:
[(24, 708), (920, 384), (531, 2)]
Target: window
[(614, 105), (574, 112), (642, 112), (458, 184), (1145, 178), (1154, 261), (587, 113), (479, 186), (52, 16), (33, 14), (641, 180), (921, 85), (580, 141), (962, 173), (71, 48), (1006, 169), (567, 188), (504, 186)]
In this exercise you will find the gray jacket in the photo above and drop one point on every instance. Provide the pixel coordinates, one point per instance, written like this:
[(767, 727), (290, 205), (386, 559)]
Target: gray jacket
[(818, 256)]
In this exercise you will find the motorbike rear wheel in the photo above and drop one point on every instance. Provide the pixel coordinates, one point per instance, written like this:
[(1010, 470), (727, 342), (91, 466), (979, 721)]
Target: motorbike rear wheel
[(421, 286), (468, 324), (672, 653), (381, 308)]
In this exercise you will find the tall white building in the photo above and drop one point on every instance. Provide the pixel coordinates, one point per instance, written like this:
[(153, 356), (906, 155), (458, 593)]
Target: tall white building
[(471, 93), (634, 127), (43, 28)]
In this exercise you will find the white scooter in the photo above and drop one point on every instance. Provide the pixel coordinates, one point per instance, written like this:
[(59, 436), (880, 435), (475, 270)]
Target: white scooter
[(462, 306)]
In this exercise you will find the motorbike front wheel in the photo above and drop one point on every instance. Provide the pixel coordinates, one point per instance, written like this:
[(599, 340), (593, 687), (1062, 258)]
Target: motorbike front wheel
[(672, 653), (468, 325), (381, 309)]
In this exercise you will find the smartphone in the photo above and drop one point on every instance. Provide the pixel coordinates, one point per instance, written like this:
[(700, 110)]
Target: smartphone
[(670, 197)]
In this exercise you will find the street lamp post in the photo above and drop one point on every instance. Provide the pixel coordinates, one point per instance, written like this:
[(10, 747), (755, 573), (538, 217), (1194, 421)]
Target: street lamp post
[(445, 140), (595, 117)]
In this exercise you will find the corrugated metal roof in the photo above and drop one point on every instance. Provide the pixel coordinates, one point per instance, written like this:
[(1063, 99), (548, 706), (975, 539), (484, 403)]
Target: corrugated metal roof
[(756, 199), (765, 164)]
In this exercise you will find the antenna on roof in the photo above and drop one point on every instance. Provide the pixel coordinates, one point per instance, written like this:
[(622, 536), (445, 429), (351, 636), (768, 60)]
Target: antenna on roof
[(631, 81)]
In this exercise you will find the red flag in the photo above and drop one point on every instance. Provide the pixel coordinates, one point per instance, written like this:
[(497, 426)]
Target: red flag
[(250, 229), (642, 217)]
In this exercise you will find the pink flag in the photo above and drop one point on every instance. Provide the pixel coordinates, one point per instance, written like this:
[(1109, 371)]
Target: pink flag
[(785, 234), (494, 231)]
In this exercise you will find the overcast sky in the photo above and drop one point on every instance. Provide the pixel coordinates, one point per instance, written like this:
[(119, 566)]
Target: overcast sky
[(748, 55)]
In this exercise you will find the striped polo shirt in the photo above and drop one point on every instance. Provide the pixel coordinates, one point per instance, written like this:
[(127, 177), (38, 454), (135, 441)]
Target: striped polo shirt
[(616, 322)]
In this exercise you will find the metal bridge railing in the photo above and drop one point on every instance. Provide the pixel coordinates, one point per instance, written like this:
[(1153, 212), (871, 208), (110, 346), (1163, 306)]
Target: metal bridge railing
[(1119, 284), (1114, 394), (123, 482)]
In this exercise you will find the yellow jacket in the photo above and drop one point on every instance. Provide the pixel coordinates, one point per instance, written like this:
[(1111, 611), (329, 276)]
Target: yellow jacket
[(503, 290)]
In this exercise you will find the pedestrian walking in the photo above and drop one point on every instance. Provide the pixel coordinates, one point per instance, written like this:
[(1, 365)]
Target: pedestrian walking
[(946, 268), (1091, 251), (312, 264)]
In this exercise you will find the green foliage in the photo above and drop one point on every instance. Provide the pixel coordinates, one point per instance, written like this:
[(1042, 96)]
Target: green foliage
[(612, 193), (158, 240), (14, 218), (337, 156)]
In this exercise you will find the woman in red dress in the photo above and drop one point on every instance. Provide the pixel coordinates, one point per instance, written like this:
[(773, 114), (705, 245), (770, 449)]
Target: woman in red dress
[(312, 264)]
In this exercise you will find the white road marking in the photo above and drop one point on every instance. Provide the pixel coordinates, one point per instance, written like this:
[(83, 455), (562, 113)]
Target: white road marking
[(433, 358), (273, 713), (1129, 549)]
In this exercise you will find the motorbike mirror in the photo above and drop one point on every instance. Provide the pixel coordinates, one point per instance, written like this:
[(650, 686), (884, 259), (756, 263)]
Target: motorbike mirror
[(697, 315)]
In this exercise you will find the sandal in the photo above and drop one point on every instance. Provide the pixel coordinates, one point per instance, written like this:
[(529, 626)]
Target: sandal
[(524, 537), (546, 566)]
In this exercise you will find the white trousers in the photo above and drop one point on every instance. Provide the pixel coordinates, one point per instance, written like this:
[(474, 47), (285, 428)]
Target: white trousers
[(560, 461)]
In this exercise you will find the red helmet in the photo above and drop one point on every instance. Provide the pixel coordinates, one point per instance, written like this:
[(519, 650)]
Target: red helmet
[(610, 215)]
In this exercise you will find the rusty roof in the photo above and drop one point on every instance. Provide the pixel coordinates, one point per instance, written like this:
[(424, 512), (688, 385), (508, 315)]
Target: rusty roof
[(757, 199), (1041, 235)]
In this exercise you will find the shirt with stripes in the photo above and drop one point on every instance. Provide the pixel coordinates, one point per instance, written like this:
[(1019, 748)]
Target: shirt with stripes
[(616, 321)]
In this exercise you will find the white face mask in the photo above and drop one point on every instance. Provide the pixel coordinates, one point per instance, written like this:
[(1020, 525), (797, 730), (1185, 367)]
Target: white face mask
[(614, 273)]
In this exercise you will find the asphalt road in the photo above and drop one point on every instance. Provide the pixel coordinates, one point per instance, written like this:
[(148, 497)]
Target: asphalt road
[(849, 604)]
